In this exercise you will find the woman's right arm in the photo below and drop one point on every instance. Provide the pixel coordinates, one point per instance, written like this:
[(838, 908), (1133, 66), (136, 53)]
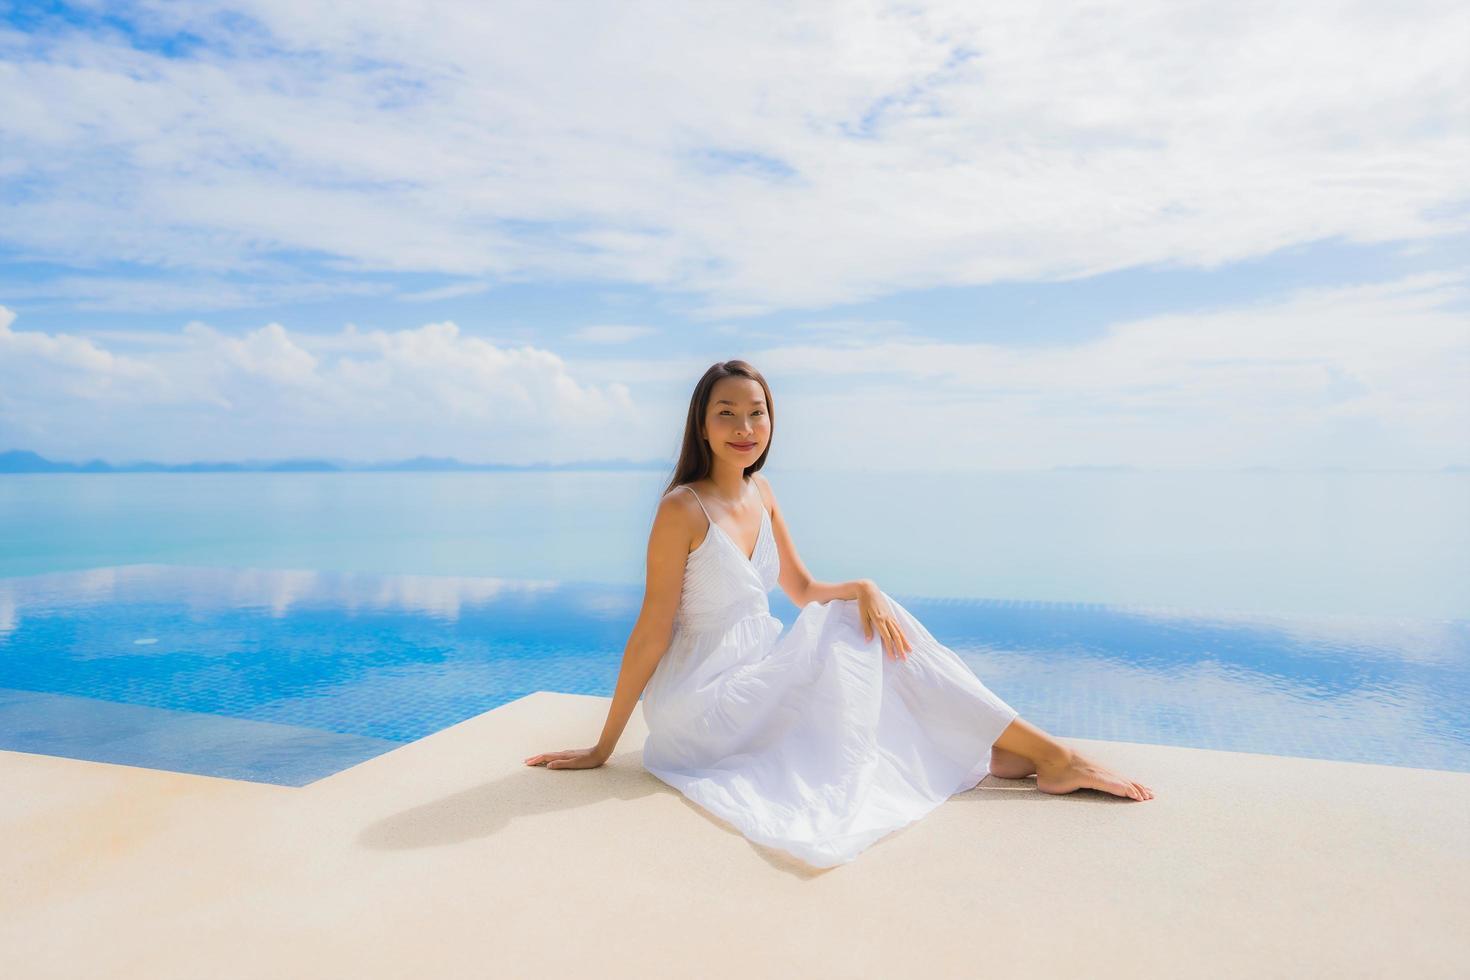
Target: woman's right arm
[(668, 551)]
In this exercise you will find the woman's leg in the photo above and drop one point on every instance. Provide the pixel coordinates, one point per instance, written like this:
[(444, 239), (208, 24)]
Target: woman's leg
[(1021, 738), (1024, 749), (1009, 765)]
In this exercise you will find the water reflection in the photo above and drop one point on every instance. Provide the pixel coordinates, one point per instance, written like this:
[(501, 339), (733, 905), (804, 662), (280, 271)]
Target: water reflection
[(204, 590), (285, 676)]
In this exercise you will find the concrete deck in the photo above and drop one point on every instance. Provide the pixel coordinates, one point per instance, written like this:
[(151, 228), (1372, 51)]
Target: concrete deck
[(449, 858)]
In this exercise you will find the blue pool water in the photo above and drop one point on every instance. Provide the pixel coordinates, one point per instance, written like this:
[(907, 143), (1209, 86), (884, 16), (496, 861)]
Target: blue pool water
[(287, 676)]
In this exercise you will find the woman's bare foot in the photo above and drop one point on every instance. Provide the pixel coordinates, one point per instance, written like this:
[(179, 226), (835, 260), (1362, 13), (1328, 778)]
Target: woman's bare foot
[(1009, 765), (1073, 772)]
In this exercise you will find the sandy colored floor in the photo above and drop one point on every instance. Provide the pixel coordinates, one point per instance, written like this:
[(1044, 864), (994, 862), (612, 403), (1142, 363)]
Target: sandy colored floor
[(449, 858)]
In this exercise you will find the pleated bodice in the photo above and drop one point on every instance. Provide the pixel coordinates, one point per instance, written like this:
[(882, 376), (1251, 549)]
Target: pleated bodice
[(721, 584)]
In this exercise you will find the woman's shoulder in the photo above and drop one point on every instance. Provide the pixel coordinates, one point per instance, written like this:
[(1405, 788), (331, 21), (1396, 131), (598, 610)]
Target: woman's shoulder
[(764, 486), (685, 493), (679, 511), (677, 497)]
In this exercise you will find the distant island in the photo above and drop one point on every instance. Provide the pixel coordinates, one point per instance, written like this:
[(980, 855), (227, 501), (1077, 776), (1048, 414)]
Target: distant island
[(1129, 468), (25, 461)]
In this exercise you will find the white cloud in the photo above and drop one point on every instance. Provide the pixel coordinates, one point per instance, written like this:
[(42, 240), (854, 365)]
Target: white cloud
[(1357, 376), (357, 394), (1361, 376), (95, 293), (856, 333), (751, 157), (611, 333), (446, 292)]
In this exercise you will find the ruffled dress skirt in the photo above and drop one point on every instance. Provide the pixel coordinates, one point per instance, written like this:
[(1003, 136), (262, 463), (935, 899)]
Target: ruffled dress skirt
[(816, 741)]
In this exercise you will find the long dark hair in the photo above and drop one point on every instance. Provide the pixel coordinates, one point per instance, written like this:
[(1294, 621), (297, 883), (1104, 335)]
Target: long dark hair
[(695, 457)]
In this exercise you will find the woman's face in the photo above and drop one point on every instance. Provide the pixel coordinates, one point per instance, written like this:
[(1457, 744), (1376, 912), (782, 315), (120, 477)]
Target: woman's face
[(737, 423)]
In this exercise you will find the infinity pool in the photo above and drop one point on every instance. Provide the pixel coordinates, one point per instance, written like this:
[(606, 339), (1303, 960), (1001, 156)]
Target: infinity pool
[(285, 677)]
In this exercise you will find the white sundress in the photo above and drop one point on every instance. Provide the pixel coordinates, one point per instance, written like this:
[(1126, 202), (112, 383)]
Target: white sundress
[(814, 741)]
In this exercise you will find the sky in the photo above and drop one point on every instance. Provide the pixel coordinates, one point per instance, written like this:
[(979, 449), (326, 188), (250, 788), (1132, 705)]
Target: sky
[(952, 236)]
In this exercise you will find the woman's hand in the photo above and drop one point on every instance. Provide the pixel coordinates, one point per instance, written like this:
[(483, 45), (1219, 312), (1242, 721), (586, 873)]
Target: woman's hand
[(876, 614), (569, 759)]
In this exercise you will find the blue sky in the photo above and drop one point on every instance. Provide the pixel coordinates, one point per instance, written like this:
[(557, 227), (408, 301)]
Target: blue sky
[(979, 237)]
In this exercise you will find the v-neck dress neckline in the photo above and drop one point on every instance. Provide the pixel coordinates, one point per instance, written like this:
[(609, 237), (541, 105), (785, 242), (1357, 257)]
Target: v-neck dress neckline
[(759, 534)]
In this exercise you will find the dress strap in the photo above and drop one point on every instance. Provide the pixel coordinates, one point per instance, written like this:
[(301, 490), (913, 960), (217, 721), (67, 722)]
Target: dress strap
[(701, 502)]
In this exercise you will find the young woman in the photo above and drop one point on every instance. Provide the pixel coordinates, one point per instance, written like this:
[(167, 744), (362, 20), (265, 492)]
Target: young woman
[(852, 724)]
